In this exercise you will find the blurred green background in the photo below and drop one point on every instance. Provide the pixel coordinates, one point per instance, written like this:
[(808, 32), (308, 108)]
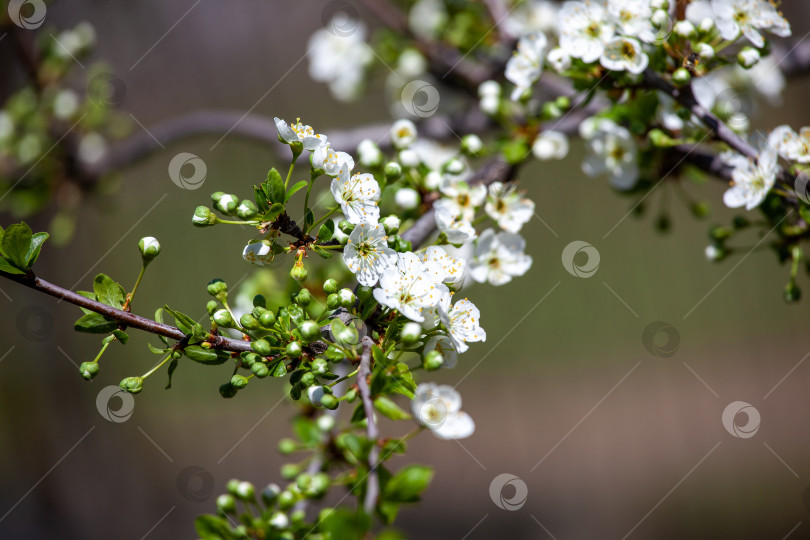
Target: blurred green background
[(608, 438)]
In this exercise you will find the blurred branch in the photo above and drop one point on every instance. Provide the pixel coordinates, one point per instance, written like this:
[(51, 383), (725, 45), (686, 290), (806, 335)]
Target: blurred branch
[(363, 376), (793, 59), (124, 317)]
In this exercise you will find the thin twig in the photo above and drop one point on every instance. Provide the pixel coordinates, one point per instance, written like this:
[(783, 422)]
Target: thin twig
[(363, 375)]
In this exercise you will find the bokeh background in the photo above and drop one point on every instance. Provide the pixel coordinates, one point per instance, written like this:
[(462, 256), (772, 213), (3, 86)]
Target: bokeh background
[(609, 439)]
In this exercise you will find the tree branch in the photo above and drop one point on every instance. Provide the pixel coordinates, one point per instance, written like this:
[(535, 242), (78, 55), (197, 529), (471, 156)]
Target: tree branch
[(363, 374), (124, 317)]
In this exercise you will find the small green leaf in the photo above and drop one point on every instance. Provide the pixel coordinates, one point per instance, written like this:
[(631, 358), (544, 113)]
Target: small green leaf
[(261, 199), (307, 431), (326, 231), (326, 254), (295, 187), (172, 366), (390, 409), (344, 525), (95, 323), (16, 242), (122, 336), (276, 210), (6, 266), (155, 350), (408, 484), (184, 322), (388, 512), (36, 245), (108, 291), (280, 370), (275, 187), (205, 356), (212, 528), (309, 219)]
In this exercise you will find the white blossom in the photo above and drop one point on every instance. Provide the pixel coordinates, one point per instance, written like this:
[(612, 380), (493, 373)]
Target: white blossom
[(460, 199), (752, 181), (367, 253), (632, 18), (330, 161), (457, 229), (299, 132), (791, 145), (444, 267), (462, 320), (498, 258), (749, 17), (584, 30), (559, 60), (427, 17), (613, 151), (403, 133), (407, 198), (409, 287), (258, 252), (339, 58), (624, 54), (526, 64), (369, 153), (438, 407), (509, 208), (357, 196), (550, 145)]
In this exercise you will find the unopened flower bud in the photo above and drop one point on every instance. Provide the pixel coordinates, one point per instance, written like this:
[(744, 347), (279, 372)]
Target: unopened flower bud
[(287, 446), (391, 224), (303, 298), (212, 306), (226, 203), (310, 331), (681, 77), (433, 180), (298, 272), (279, 520), (262, 347), (455, 166), (660, 18), (330, 286), (393, 171), (245, 491), (706, 25), (249, 321), (247, 209), (345, 227), (270, 494), (407, 198), (748, 57), (347, 298), (267, 319), (239, 381), (432, 361), (150, 248), (705, 51), (260, 369), (89, 370), (226, 504), (133, 385), (223, 318), (471, 144), (684, 29), (217, 288), (203, 217), (294, 349), (289, 471), (325, 422), (410, 334)]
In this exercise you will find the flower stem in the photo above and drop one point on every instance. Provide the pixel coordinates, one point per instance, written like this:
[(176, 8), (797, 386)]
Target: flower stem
[(158, 366), (131, 295), (350, 375), (328, 214), (103, 348)]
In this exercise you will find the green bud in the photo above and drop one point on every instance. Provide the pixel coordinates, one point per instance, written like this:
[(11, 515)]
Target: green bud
[(334, 354), (203, 217), (227, 391), (393, 171), (226, 203), (432, 361), (345, 227), (330, 286), (294, 349), (719, 233), (350, 395), (320, 365), (267, 319), (792, 293), (303, 298), (298, 518), (239, 381), (89, 370), (700, 209), (330, 402), (133, 385), (307, 379), (249, 359), (310, 331), (563, 103), (660, 139), (226, 504), (232, 486), (262, 346), (347, 298), (247, 209), (403, 246), (216, 196), (287, 446), (260, 369), (245, 491), (223, 318), (287, 499), (471, 144), (319, 485), (211, 307), (270, 494), (249, 321), (280, 521), (298, 272), (410, 334), (332, 301), (550, 110), (303, 480), (149, 247), (391, 224), (365, 294), (681, 77), (289, 471), (324, 514), (217, 288)]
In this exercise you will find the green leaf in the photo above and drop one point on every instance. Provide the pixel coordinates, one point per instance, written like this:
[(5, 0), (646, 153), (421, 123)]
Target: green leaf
[(108, 291), (95, 323), (275, 187), (309, 219), (345, 525), (326, 231), (359, 413), (307, 431), (33, 250), (280, 370), (390, 409), (15, 242), (276, 210), (91, 296), (122, 336), (295, 187), (172, 366), (205, 356), (5, 266), (211, 527), (155, 350), (261, 199), (184, 322), (388, 513), (326, 254), (408, 484)]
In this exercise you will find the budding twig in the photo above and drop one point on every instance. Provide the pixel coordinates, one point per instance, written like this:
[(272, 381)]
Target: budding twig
[(363, 374)]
